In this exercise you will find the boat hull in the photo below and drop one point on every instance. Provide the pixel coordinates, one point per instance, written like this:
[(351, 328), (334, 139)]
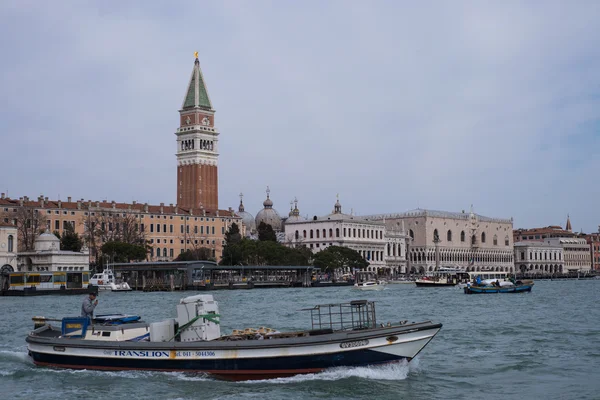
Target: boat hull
[(242, 360), (493, 289), (433, 284)]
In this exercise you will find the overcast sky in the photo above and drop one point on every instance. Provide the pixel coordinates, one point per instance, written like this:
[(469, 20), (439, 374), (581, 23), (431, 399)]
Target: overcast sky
[(392, 105)]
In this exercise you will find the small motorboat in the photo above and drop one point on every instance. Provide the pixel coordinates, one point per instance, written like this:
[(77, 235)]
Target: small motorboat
[(106, 281), (341, 335), (371, 285), (491, 286)]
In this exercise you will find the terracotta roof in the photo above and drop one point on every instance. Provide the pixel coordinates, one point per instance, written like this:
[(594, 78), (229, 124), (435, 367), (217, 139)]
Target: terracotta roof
[(137, 207)]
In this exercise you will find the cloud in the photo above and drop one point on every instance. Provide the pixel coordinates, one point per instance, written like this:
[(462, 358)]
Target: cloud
[(392, 105)]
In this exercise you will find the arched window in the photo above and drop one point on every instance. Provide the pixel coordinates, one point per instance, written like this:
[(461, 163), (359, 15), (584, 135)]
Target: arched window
[(482, 237), (411, 234), (10, 243), (495, 240), (311, 233), (473, 240), (165, 252), (506, 241), (297, 235), (158, 252), (436, 236), (317, 233), (337, 232), (462, 236), (304, 233), (449, 235), (330, 232)]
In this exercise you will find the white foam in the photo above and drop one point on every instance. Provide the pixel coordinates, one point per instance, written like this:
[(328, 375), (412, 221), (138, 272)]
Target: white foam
[(388, 372), (16, 355)]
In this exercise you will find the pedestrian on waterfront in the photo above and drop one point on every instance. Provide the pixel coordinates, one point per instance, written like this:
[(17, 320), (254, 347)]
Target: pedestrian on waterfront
[(88, 305)]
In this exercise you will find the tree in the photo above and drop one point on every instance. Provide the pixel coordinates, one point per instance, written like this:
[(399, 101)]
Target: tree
[(233, 235), (124, 252), (199, 254), (29, 222), (70, 240), (266, 232), (268, 252), (336, 257)]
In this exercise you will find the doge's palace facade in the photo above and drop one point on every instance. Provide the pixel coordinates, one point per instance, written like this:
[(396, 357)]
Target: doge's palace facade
[(449, 239)]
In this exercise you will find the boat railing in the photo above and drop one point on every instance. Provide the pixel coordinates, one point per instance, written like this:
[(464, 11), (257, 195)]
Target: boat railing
[(358, 314)]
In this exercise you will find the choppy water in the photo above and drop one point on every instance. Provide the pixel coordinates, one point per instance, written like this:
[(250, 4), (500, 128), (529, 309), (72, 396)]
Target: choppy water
[(545, 344)]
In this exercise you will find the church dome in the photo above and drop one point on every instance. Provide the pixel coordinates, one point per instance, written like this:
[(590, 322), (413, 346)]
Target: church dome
[(46, 242), (294, 215), (247, 218), (268, 214)]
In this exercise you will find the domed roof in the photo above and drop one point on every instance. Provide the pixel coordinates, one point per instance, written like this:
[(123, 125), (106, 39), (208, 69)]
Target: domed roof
[(294, 215), (247, 218), (268, 215), (46, 241)]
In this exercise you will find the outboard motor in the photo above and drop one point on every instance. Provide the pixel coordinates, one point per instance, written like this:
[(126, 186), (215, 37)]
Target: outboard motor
[(198, 318)]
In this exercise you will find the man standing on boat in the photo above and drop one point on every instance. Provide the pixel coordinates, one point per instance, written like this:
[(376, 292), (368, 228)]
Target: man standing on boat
[(88, 305)]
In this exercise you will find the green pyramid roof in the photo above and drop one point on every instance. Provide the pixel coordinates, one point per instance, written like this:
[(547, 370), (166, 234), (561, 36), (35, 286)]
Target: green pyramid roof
[(197, 95)]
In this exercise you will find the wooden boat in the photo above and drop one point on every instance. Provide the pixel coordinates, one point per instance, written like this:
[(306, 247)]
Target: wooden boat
[(341, 335), (504, 287)]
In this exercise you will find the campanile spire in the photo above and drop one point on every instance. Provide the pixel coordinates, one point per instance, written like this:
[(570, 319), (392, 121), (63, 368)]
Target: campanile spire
[(197, 150)]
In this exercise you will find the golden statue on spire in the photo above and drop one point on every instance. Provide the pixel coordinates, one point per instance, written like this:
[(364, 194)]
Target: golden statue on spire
[(196, 54)]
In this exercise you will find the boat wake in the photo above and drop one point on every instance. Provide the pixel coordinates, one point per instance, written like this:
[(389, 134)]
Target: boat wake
[(19, 356), (388, 372)]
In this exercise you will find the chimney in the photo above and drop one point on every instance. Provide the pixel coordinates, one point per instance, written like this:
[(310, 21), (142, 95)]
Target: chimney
[(217, 213), (171, 205), (177, 212), (162, 207), (191, 211), (204, 212), (46, 199), (21, 201), (59, 204), (129, 207), (41, 200), (3, 196), (97, 204), (69, 199), (145, 207), (134, 202), (79, 204), (113, 204)]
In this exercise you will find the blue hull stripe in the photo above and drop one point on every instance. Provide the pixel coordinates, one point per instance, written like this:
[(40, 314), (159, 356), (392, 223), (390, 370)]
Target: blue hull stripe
[(265, 366)]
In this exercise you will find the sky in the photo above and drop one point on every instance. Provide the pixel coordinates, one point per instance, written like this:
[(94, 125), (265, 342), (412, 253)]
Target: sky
[(393, 105)]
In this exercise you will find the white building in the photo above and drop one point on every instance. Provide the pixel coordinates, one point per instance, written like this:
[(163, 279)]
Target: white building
[(367, 237), (539, 258), (47, 256), (451, 239), (576, 251), (8, 248)]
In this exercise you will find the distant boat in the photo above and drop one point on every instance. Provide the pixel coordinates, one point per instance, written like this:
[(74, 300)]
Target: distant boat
[(502, 287), (106, 281), (370, 285)]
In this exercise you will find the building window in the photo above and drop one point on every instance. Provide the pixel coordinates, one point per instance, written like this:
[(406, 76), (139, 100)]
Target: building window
[(324, 233), (57, 225), (297, 235), (213, 229), (522, 255), (482, 237), (311, 235), (462, 236), (317, 233), (10, 243), (151, 227), (165, 228), (142, 227), (171, 228), (411, 234), (195, 229), (165, 252), (506, 241), (449, 236), (330, 232), (344, 232), (181, 228), (337, 232), (304, 233), (171, 253), (495, 240), (157, 228)]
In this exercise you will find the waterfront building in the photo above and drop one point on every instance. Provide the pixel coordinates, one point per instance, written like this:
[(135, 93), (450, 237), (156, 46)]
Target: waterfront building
[(541, 234), (168, 229), (449, 239), (593, 240), (48, 257), (577, 254), (543, 258), (8, 248), (339, 229)]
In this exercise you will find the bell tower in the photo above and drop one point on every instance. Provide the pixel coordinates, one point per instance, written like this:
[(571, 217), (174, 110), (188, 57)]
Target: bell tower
[(197, 147)]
